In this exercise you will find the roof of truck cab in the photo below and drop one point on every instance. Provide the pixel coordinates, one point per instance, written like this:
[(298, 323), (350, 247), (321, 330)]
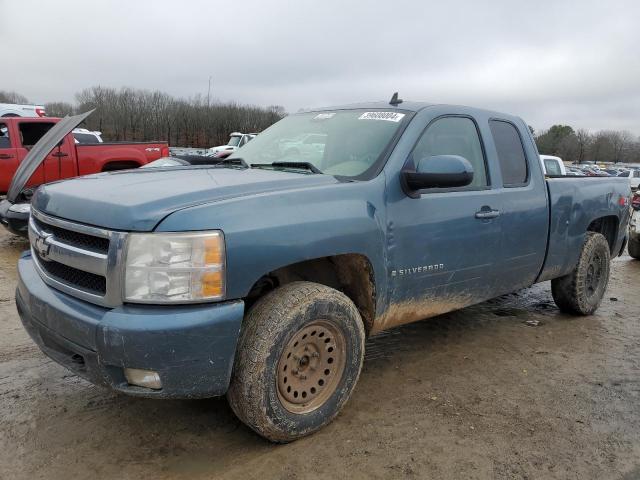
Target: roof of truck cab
[(408, 105), (405, 105)]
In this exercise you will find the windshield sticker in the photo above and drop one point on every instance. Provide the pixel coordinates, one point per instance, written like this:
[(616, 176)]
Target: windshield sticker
[(324, 116), (388, 116)]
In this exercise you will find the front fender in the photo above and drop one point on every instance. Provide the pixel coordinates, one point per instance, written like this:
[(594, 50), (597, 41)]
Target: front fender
[(271, 230)]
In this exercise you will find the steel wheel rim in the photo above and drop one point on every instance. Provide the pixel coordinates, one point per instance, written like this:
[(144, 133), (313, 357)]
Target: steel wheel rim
[(311, 367), (594, 274)]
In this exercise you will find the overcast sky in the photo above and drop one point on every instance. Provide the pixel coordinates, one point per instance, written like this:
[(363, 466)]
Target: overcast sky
[(570, 62)]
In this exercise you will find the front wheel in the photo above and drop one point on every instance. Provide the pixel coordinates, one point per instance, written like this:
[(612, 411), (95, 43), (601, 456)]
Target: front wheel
[(581, 291), (298, 359)]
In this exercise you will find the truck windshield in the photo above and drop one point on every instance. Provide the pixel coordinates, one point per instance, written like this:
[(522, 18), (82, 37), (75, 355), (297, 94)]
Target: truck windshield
[(344, 142)]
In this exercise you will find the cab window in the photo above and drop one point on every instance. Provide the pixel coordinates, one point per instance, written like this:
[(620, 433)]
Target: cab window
[(4, 136), (454, 136), (552, 167), (513, 162), (31, 132)]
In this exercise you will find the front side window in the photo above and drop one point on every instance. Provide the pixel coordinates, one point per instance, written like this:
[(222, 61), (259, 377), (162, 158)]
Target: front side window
[(454, 136), (513, 162), (32, 132), (4, 136), (346, 143)]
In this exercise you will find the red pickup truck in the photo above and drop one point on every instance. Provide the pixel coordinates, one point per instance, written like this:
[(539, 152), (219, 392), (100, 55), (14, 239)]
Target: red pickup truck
[(68, 159)]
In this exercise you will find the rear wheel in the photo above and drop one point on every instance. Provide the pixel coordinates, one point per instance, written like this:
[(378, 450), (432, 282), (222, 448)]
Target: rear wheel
[(634, 248), (581, 291), (298, 359)]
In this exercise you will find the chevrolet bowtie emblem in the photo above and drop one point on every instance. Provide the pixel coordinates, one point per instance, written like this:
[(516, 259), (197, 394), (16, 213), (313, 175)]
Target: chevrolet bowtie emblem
[(42, 245)]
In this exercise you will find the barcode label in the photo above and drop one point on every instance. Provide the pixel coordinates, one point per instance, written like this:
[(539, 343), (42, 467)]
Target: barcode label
[(387, 116)]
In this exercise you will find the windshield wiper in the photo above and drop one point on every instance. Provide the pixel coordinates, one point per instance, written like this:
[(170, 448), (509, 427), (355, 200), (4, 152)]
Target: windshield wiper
[(295, 165)]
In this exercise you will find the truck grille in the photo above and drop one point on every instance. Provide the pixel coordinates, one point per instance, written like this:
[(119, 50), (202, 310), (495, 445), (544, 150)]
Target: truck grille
[(84, 280), (76, 239), (77, 259)]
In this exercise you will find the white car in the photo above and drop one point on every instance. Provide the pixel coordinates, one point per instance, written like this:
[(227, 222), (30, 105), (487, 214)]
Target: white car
[(236, 140), (306, 147), (552, 165), (14, 110), (633, 176), (82, 135)]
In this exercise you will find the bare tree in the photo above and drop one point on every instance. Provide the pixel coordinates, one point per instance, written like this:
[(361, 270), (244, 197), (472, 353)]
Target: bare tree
[(59, 109), (583, 139), (12, 97)]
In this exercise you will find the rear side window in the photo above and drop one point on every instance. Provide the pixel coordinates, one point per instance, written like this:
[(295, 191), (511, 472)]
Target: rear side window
[(552, 167), (454, 136), (513, 162), (4, 136)]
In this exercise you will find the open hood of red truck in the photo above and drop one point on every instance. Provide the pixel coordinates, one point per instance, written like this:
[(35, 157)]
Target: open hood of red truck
[(40, 151)]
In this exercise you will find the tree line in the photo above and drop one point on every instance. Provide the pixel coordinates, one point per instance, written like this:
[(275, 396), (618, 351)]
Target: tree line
[(143, 115), (580, 146)]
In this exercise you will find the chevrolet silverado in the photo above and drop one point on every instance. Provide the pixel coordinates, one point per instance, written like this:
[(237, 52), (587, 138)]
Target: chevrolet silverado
[(261, 277)]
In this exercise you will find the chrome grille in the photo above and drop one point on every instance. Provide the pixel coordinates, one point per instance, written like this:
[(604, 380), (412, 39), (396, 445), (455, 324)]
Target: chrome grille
[(78, 259), (81, 240)]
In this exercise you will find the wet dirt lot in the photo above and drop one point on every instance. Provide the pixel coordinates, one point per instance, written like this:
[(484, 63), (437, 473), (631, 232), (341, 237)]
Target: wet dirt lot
[(507, 389)]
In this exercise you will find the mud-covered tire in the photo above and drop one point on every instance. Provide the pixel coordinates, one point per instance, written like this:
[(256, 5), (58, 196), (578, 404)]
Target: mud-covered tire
[(581, 291), (634, 248), (273, 323)]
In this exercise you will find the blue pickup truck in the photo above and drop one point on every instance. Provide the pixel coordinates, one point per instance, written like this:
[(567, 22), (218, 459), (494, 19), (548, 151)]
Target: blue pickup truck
[(262, 276)]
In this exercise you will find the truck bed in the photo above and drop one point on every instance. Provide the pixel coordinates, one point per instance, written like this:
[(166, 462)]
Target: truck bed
[(575, 202)]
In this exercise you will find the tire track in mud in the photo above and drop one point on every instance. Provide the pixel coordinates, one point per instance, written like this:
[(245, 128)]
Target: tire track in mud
[(19, 352)]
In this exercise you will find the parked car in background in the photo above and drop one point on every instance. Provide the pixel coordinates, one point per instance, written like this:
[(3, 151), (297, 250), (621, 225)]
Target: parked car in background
[(15, 110), (575, 171), (18, 136), (262, 279), (236, 140), (633, 176), (308, 147), (82, 135), (552, 165)]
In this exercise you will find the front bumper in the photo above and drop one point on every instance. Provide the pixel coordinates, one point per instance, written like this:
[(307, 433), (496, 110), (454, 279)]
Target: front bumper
[(192, 347), (15, 222)]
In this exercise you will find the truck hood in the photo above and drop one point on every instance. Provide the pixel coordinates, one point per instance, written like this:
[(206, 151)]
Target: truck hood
[(40, 151), (137, 200)]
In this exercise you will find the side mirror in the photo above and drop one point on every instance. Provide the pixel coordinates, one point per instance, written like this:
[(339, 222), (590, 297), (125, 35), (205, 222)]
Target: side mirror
[(440, 171)]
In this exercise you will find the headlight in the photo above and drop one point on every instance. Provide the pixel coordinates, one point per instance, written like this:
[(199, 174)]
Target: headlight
[(174, 267), (20, 208)]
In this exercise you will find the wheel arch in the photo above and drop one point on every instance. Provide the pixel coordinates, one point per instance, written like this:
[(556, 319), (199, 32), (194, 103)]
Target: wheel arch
[(350, 273), (608, 227)]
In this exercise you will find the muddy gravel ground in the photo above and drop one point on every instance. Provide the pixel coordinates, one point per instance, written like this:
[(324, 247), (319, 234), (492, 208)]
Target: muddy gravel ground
[(507, 389)]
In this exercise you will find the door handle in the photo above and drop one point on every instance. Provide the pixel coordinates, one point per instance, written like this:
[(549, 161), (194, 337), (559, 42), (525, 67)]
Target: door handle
[(487, 214), (5, 155), (59, 154)]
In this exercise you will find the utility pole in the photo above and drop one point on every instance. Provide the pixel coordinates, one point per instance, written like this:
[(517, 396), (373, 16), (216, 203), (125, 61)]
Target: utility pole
[(209, 93)]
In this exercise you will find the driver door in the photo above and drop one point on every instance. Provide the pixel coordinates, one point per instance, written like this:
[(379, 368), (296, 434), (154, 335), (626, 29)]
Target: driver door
[(445, 242)]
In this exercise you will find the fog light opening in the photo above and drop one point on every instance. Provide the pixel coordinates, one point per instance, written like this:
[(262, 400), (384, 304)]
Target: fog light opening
[(143, 378)]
